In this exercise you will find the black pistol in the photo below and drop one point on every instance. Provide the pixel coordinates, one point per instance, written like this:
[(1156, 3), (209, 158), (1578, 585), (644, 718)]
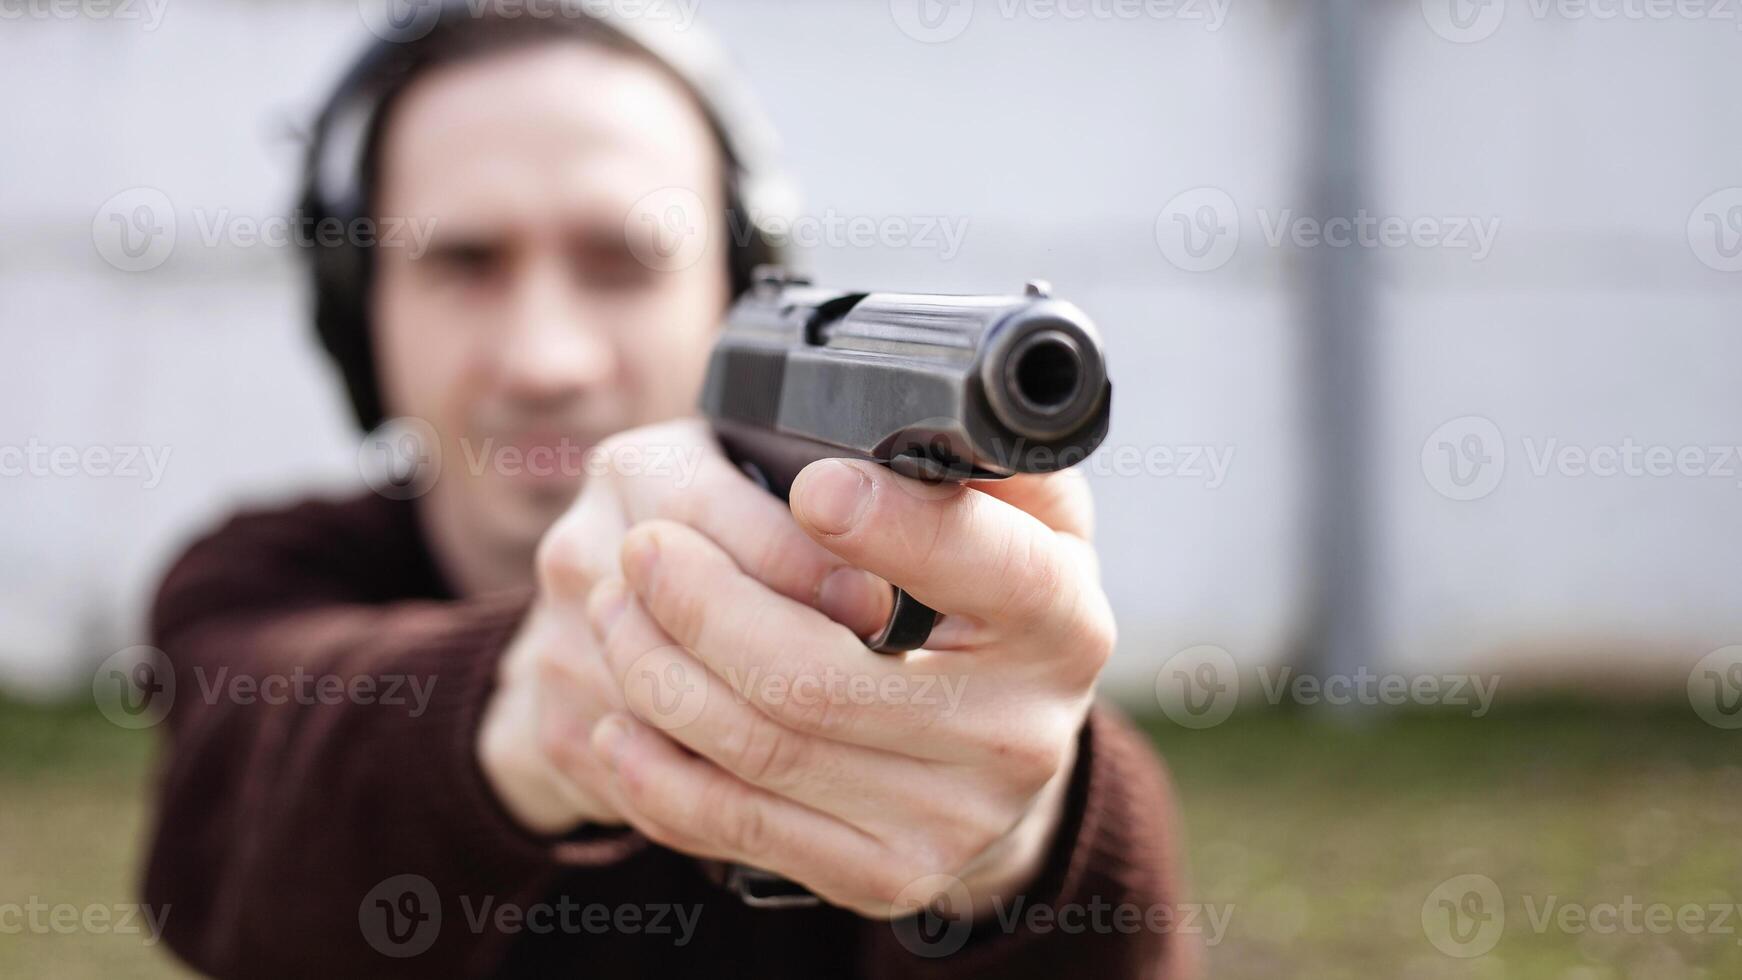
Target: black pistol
[(934, 387)]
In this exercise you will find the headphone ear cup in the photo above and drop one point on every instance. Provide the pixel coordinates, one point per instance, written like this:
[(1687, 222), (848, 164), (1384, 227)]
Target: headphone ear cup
[(744, 255), (339, 274)]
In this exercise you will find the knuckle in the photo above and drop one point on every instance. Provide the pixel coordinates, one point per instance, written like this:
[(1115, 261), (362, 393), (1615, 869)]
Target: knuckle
[(768, 755), (561, 560), (685, 612), (885, 884), (928, 545), (681, 508), (744, 830), (1029, 761), (557, 739), (930, 854), (1031, 581), (806, 709), (771, 557), (1090, 639)]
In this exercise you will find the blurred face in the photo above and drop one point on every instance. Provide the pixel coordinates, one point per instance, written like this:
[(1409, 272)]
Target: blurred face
[(531, 327)]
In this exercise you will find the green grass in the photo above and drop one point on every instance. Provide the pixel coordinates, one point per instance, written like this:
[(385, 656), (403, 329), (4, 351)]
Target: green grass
[(1328, 835), (1324, 836)]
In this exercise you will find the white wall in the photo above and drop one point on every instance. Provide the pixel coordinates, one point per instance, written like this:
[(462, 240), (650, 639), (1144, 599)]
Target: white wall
[(1060, 141)]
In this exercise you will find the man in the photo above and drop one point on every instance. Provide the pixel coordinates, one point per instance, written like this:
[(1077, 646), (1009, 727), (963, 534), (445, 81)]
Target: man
[(615, 683)]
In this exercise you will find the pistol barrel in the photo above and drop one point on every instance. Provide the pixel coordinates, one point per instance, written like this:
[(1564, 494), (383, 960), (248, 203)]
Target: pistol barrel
[(939, 387)]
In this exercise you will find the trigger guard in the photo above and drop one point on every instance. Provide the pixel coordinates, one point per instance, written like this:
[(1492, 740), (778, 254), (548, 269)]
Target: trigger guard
[(910, 623)]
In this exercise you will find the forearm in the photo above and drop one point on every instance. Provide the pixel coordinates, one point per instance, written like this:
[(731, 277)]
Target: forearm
[(277, 819)]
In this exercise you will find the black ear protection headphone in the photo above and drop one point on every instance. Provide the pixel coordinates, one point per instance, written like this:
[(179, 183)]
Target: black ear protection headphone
[(339, 165)]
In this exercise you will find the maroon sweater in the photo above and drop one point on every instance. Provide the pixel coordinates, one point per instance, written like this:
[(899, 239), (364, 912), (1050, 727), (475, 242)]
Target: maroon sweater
[(288, 801)]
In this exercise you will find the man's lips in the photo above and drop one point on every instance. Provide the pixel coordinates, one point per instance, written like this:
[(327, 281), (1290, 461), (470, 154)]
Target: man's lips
[(541, 456)]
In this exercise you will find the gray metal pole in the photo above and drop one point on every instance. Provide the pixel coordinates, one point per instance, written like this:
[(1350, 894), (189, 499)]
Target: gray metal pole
[(1338, 347)]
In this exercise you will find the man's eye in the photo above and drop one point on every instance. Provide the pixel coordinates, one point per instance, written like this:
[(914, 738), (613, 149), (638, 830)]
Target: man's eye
[(610, 268), (465, 260)]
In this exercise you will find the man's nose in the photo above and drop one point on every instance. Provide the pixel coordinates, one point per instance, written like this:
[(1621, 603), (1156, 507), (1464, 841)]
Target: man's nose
[(553, 347)]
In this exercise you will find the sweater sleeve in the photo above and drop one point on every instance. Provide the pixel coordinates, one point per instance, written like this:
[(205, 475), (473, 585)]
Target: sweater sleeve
[(1107, 902), (321, 794)]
